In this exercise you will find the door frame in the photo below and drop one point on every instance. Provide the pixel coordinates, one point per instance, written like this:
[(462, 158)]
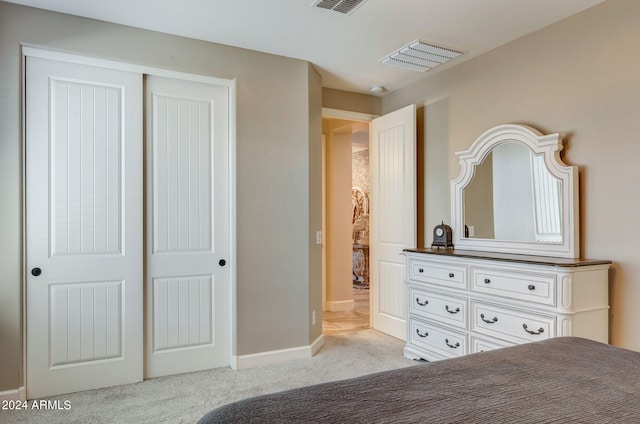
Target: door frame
[(47, 53), (347, 115)]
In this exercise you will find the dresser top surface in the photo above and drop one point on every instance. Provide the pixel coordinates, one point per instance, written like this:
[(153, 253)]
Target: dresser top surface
[(508, 257)]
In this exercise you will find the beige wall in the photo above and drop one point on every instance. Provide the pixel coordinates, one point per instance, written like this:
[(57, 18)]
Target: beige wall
[(582, 77), (353, 102), (278, 168)]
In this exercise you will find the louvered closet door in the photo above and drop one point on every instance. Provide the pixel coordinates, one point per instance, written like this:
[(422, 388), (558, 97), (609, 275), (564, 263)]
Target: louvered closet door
[(83, 227), (188, 280)]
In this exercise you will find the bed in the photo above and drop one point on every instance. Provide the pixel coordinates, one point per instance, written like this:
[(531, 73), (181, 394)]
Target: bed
[(560, 380)]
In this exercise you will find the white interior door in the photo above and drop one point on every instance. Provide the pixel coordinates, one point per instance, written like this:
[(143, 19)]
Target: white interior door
[(188, 291), (83, 227), (393, 216)]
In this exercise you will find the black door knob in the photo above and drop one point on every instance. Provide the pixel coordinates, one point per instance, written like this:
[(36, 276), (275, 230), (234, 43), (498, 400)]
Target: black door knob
[(222, 262), (36, 271)]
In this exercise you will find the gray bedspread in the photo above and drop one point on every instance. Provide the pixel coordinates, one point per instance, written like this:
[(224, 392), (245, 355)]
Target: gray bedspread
[(561, 380)]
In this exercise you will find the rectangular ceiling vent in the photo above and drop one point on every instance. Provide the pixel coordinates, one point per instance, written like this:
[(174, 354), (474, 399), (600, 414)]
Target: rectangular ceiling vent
[(341, 6), (420, 56)]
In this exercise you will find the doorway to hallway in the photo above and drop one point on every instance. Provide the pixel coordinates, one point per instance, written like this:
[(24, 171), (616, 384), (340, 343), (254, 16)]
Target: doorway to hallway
[(346, 212)]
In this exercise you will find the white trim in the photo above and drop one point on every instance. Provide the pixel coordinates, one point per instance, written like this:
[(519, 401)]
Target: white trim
[(23, 181), (16, 394), (233, 272), (61, 55), (346, 114), (261, 359), (317, 345), (325, 233), (233, 363), (341, 305)]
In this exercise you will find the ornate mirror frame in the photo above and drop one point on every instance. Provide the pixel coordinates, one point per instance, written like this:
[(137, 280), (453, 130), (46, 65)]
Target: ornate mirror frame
[(547, 145)]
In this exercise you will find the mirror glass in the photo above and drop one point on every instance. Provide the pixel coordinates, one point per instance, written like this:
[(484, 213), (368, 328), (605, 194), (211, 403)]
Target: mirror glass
[(513, 197)]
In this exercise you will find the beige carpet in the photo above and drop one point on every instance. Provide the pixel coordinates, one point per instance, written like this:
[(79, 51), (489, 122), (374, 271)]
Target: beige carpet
[(185, 398)]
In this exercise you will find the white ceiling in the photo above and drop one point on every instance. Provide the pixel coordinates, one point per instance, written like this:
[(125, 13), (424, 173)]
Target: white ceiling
[(345, 49)]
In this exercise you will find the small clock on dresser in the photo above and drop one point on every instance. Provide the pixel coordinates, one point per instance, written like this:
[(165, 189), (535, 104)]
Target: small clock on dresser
[(442, 236)]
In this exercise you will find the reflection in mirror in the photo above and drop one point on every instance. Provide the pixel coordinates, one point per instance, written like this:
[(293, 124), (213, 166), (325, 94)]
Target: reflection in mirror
[(513, 197)]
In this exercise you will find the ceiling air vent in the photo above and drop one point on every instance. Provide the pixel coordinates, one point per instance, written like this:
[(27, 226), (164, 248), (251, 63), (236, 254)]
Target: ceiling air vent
[(420, 56), (341, 6)]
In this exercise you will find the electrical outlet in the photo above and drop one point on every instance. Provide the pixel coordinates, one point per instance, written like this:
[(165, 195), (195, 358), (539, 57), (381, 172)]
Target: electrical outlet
[(318, 237), (313, 318)]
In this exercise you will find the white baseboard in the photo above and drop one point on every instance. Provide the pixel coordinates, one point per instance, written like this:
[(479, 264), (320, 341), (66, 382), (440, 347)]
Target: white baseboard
[(276, 356), (234, 362), (15, 394), (341, 305), (317, 345)]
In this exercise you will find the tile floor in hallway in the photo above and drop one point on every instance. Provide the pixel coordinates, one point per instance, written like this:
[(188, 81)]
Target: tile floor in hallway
[(346, 321)]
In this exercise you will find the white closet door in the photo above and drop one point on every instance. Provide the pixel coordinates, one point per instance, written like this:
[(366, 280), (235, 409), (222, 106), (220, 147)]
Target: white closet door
[(393, 216), (188, 227), (83, 227)]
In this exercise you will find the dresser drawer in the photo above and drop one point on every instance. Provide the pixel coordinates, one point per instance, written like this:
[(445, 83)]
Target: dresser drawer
[(483, 345), (505, 322), (525, 286), (442, 341), (441, 273), (439, 307)]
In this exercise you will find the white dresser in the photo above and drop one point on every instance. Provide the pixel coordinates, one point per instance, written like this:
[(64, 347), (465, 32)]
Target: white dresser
[(461, 302)]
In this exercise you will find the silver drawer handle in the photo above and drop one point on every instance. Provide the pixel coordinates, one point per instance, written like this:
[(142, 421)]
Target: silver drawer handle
[(535, 333), (450, 311), (457, 345), (489, 321), (426, 334), (425, 303)]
